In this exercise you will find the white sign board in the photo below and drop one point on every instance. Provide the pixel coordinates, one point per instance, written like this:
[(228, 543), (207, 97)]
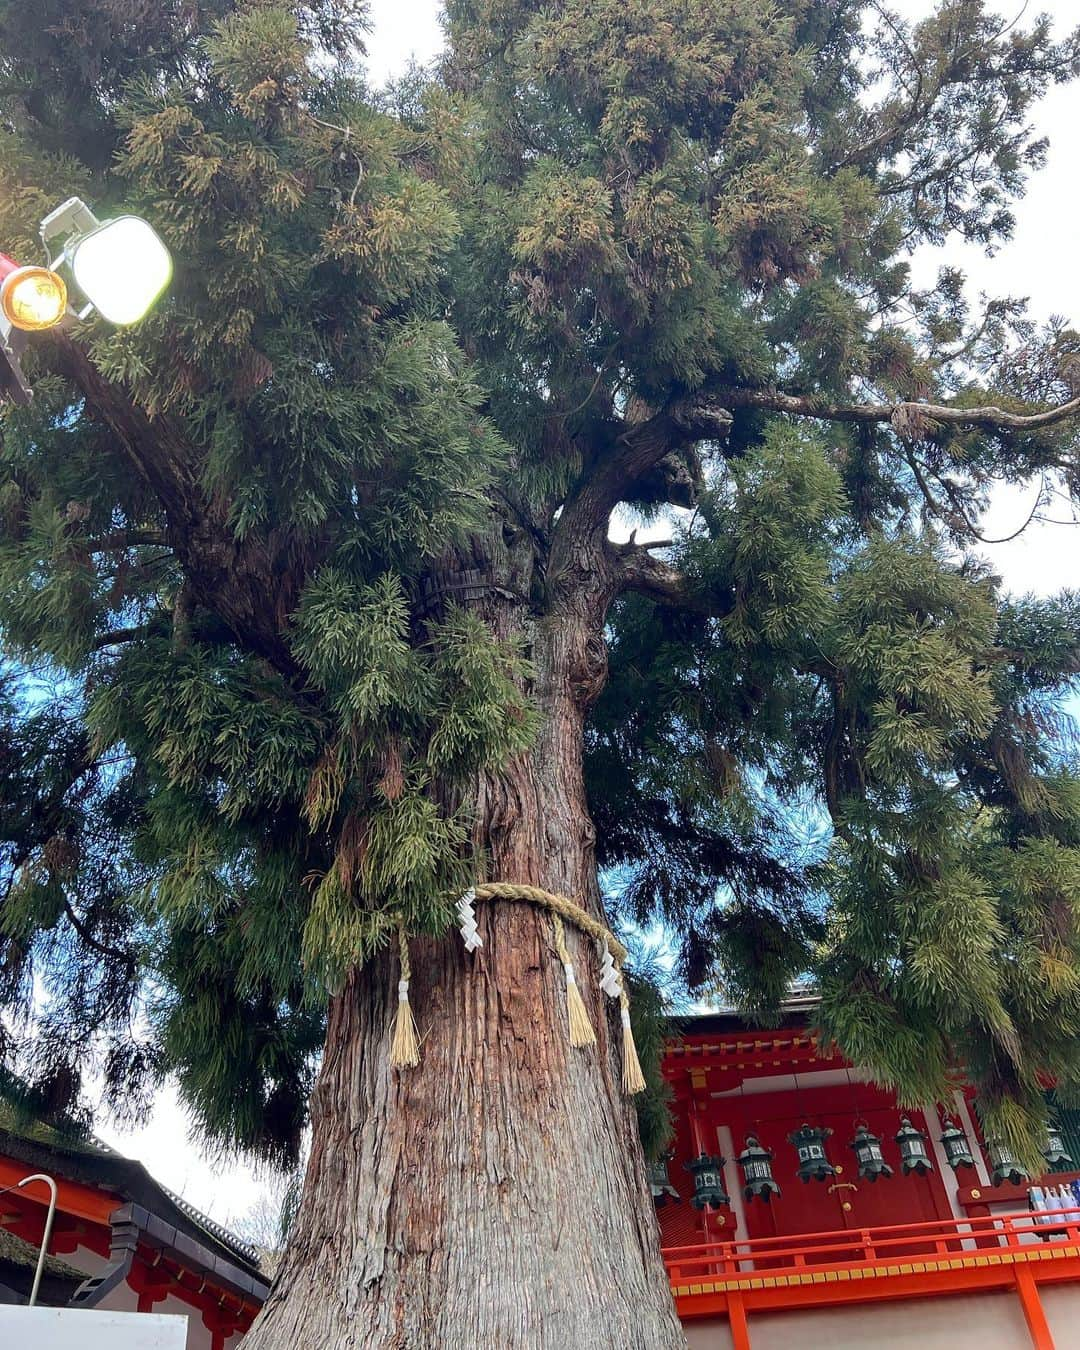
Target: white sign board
[(85, 1329)]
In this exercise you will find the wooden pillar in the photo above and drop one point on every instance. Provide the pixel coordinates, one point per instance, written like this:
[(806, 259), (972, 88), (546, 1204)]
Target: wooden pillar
[(1034, 1313), (739, 1324)]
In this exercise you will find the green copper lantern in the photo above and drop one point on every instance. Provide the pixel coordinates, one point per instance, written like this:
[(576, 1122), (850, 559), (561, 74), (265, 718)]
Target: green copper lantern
[(1003, 1165), (809, 1144), (708, 1174), (867, 1150), (955, 1143), (913, 1154), (660, 1181), (756, 1164), (1054, 1152)]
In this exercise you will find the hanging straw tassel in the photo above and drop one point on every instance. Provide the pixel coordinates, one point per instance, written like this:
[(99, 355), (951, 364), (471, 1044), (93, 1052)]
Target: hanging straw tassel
[(581, 1032), (633, 1080), (405, 1044)]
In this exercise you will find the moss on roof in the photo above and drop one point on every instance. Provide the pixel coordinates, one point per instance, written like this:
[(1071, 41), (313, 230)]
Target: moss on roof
[(14, 1251)]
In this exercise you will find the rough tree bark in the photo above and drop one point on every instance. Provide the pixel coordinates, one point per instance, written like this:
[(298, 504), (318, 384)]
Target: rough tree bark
[(495, 1196)]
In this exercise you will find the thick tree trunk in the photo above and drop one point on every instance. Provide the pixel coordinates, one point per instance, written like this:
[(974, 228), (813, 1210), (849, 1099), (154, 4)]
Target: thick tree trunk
[(495, 1196)]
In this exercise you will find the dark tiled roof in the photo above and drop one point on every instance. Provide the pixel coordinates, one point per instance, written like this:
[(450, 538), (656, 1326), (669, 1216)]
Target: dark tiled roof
[(88, 1160)]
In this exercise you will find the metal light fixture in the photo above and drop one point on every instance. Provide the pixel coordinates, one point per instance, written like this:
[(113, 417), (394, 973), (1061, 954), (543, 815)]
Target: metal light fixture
[(120, 265), (1003, 1164), (13, 383), (122, 268), (756, 1164), (31, 298), (913, 1154), (955, 1143), (1054, 1152), (660, 1181), (708, 1174), (809, 1144), (867, 1150)]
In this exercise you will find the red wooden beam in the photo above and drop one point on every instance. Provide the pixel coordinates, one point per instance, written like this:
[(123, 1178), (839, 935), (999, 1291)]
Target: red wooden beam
[(84, 1202), (1034, 1313)]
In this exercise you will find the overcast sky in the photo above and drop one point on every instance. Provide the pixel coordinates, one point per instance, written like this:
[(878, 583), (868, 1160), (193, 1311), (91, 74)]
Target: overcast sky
[(1040, 262)]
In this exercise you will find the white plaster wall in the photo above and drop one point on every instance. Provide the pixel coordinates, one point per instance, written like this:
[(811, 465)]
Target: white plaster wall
[(993, 1321), (708, 1334), (84, 1258), (124, 1299), (959, 1322), (198, 1338), (1061, 1303), (121, 1299)]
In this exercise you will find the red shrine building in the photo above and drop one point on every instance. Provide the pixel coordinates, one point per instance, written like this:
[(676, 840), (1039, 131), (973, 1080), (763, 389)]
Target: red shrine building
[(909, 1229), (120, 1241)]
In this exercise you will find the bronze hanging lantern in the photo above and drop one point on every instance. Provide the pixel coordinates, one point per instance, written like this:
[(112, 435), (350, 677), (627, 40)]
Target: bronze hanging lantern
[(809, 1144), (867, 1150), (756, 1164), (1003, 1165), (913, 1154), (708, 1174), (1054, 1152), (955, 1143), (660, 1180)]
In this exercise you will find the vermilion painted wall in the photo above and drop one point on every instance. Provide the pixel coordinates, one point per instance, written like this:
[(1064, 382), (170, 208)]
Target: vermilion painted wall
[(717, 1108)]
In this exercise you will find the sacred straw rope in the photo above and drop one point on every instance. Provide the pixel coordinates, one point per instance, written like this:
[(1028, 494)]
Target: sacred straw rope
[(559, 904), (561, 907)]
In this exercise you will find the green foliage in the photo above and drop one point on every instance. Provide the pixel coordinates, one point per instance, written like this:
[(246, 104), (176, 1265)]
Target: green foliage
[(282, 813), (652, 1026)]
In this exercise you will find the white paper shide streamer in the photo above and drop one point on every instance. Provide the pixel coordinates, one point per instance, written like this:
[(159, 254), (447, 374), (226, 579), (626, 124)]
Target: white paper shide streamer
[(467, 915), (610, 979)]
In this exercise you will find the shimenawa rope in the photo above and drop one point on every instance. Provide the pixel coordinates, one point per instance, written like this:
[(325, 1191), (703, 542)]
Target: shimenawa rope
[(405, 1048)]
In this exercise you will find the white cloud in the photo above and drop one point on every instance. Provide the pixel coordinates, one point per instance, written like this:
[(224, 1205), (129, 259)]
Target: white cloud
[(402, 31), (224, 1192)]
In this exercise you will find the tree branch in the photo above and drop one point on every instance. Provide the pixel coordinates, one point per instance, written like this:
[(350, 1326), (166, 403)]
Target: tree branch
[(986, 418), (233, 579), (102, 948), (121, 540), (120, 635), (634, 450), (637, 570)]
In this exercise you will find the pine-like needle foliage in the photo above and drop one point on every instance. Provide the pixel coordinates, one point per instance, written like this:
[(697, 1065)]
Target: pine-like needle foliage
[(267, 763), (637, 254)]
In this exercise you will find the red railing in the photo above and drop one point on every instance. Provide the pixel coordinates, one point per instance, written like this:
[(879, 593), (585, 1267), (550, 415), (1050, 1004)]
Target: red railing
[(850, 1248)]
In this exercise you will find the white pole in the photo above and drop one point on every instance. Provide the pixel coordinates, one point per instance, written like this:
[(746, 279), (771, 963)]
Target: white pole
[(40, 1176)]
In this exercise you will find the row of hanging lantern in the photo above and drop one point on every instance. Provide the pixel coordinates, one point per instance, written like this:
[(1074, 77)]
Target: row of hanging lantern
[(755, 1161), (814, 1164), (1004, 1166)]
